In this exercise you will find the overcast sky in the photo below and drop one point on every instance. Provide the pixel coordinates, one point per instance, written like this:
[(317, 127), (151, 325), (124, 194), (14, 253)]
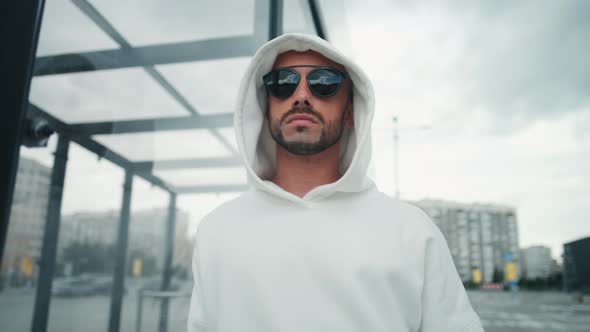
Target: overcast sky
[(501, 87)]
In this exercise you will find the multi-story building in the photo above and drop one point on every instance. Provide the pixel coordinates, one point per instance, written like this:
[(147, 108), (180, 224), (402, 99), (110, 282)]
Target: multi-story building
[(576, 265), (88, 227), (147, 229), (536, 262), (556, 268), (480, 236), (27, 221)]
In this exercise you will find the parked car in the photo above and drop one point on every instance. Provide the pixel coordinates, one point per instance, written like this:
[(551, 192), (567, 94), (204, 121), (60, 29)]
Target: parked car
[(492, 286), (72, 287), (82, 285), (103, 284), (154, 284)]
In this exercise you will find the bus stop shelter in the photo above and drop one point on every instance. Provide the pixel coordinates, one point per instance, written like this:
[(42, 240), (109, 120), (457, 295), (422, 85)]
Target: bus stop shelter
[(116, 135)]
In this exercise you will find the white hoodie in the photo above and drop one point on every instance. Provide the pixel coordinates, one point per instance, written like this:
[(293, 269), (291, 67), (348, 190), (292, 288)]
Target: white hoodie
[(344, 258)]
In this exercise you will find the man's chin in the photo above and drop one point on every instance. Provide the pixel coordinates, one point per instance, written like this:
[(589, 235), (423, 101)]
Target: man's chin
[(302, 148), (302, 137), (301, 142)]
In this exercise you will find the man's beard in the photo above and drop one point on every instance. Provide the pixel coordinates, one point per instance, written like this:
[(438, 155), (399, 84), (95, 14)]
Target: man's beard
[(331, 134)]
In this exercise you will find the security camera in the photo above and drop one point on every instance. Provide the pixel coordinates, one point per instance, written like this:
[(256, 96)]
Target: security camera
[(36, 132)]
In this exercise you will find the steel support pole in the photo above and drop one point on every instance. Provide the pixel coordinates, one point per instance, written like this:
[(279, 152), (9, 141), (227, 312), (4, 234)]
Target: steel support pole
[(19, 31), (169, 253), (121, 255), (50, 236), (139, 314), (276, 19), (316, 15)]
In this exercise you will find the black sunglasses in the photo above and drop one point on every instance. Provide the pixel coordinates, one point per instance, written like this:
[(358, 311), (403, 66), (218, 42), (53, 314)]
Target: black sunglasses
[(322, 81)]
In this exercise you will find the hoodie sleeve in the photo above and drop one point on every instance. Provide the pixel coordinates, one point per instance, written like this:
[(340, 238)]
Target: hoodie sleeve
[(196, 317), (445, 305)]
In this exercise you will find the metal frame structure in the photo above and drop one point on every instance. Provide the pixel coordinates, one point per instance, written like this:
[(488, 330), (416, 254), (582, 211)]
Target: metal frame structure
[(268, 23), (50, 235), (16, 62), (120, 251)]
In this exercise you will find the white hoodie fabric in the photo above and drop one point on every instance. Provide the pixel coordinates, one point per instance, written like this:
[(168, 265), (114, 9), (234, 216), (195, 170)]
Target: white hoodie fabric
[(344, 258)]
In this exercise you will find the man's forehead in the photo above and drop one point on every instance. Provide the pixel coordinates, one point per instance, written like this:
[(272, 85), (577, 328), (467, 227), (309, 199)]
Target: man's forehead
[(294, 58)]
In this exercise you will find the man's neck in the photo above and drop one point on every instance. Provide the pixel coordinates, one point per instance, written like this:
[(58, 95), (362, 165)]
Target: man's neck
[(301, 174)]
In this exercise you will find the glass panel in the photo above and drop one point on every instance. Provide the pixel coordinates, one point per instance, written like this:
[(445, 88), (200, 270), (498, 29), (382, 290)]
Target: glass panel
[(19, 272), (66, 29), (146, 22), (203, 176), (145, 254), (297, 17), (210, 86), (86, 243), (92, 194), (145, 259), (165, 145), (229, 135), (120, 94)]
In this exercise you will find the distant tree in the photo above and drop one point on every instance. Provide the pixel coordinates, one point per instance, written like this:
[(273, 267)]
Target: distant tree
[(555, 281), (88, 257), (497, 277)]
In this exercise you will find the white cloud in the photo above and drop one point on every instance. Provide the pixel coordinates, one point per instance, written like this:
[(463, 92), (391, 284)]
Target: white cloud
[(505, 95)]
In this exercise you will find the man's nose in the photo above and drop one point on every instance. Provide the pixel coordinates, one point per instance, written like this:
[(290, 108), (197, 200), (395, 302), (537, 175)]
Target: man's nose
[(302, 96)]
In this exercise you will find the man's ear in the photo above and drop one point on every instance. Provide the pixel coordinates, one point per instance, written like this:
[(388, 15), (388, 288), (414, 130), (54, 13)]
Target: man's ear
[(349, 116)]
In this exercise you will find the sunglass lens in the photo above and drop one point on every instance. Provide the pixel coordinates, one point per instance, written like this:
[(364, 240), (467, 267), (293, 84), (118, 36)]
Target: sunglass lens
[(281, 83), (324, 82)]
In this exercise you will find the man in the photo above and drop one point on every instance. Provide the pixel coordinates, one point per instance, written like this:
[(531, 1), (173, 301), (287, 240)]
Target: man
[(314, 246)]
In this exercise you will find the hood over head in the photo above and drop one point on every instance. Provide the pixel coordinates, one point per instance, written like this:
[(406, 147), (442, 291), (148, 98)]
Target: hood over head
[(255, 143)]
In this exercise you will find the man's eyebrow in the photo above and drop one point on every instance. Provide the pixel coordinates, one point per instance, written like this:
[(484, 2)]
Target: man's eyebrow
[(313, 66), (341, 71)]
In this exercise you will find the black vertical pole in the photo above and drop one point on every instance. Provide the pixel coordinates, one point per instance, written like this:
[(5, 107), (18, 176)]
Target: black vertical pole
[(121, 255), (50, 236), (276, 19), (316, 15), (19, 31), (169, 253)]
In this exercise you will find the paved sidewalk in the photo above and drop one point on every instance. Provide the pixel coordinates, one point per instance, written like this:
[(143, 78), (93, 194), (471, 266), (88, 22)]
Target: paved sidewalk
[(530, 311)]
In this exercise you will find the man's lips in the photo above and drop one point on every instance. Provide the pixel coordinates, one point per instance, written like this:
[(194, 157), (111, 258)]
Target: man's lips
[(301, 119)]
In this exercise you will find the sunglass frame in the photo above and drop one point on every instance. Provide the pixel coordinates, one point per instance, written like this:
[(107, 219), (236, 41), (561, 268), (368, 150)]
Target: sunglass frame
[(339, 73)]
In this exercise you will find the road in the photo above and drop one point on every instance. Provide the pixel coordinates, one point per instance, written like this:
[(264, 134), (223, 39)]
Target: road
[(90, 313), (499, 312), (530, 311)]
